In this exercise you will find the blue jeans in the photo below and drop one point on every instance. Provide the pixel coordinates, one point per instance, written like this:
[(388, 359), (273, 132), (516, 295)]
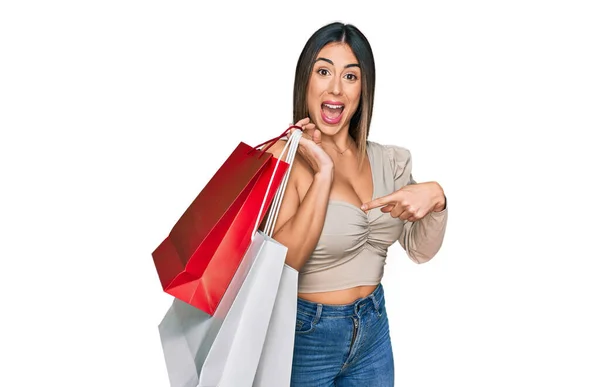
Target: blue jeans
[(343, 345)]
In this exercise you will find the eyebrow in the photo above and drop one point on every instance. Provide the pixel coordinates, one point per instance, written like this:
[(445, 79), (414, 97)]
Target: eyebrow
[(331, 62)]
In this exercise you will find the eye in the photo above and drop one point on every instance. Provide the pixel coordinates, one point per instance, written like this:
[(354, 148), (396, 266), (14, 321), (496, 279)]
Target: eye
[(323, 72), (351, 77)]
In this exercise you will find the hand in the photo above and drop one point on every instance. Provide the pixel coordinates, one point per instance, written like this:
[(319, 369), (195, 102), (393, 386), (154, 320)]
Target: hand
[(310, 147), (411, 202)]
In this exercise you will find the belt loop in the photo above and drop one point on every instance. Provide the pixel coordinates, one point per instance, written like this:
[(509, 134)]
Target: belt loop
[(318, 314), (375, 302)]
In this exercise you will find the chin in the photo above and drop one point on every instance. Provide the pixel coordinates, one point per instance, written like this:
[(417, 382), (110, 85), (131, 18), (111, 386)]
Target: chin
[(328, 129)]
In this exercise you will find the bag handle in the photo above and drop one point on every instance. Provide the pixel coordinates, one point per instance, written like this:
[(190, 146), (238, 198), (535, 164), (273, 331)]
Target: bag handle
[(274, 212), (272, 141)]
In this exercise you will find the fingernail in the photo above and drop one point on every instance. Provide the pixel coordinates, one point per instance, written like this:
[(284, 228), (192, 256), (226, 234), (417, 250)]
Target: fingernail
[(363, 207)]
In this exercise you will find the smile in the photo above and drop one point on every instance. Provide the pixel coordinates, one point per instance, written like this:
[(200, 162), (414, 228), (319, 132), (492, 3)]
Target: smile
[(331, 112)]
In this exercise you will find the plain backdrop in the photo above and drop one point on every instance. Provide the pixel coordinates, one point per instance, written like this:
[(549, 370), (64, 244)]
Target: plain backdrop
[(115, 114)]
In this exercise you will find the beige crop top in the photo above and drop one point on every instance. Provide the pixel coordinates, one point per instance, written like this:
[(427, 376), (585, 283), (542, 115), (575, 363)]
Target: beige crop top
[(353, 246)]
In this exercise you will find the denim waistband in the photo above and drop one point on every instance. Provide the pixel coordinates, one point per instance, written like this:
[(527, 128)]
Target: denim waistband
[(374, 300)]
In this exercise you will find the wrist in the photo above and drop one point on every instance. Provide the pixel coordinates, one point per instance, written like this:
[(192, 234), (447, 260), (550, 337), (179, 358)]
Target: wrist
[(439, 199), (325, 174)]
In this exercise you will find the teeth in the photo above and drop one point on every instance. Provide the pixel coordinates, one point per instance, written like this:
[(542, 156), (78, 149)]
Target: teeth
[(333, 106)]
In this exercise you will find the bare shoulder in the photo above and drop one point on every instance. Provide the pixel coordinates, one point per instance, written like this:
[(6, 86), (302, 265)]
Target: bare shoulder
[(301, 176)]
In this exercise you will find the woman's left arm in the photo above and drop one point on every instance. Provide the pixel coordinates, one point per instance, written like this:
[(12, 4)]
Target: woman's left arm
[(421, 207), (422, 236)]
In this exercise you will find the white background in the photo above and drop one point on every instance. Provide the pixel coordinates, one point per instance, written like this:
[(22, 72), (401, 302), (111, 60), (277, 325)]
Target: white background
[(115, 114)]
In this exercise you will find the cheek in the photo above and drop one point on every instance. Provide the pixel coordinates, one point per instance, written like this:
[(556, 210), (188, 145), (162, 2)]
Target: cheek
[(317, 86), (355, 98), (356, 94), (313, 94), (312, 98)]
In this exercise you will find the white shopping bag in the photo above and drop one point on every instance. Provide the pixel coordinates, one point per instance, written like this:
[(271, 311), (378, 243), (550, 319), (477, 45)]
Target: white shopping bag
[(235, 353), (187, 333), (181, 333), (275, 365)]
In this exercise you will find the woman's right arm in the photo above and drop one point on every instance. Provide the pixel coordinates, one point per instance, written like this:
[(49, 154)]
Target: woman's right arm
[(300, 221)]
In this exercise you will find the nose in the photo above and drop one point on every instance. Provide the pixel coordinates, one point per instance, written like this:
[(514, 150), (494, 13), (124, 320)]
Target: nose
[(336, 86)]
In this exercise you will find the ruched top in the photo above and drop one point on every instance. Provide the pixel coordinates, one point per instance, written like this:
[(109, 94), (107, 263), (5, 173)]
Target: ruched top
[(353, 246)]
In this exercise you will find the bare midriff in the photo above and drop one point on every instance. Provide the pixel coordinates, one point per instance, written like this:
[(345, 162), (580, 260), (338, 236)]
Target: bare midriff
[(339, 297)]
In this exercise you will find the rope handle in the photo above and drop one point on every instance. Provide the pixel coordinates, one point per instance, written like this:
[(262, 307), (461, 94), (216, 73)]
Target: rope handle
[(274, 212), (272, 141)]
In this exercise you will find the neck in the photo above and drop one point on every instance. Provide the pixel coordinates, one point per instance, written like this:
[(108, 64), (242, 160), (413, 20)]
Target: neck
[(341, 141)]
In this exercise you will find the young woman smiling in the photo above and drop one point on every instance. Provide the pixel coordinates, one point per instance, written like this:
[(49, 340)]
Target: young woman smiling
[(347, 201)]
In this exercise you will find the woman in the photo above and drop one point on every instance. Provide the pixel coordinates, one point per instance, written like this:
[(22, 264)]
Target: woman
[(347, 201)]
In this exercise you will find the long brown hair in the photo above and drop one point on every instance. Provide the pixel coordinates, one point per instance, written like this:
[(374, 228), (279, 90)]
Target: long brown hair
[(338, 32)]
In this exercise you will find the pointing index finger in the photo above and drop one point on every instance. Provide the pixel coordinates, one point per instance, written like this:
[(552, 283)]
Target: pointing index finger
[(379, 202)]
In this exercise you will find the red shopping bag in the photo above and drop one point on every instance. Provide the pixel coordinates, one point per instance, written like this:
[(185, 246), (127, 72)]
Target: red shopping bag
[(199, 257)]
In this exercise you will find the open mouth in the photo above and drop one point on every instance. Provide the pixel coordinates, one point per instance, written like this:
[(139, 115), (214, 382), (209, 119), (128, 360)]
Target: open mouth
[(331, 112)]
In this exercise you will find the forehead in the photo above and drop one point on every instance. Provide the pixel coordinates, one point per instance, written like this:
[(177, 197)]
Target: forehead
[(340, 53)]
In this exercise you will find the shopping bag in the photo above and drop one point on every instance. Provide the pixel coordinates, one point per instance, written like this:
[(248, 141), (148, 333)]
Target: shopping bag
[(234, 355), (225, 348), (197, 260), (187, 333), (182, 331), (275, 365)]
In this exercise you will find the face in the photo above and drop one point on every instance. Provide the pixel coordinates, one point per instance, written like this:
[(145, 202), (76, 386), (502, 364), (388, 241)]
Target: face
[(334, 88)]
